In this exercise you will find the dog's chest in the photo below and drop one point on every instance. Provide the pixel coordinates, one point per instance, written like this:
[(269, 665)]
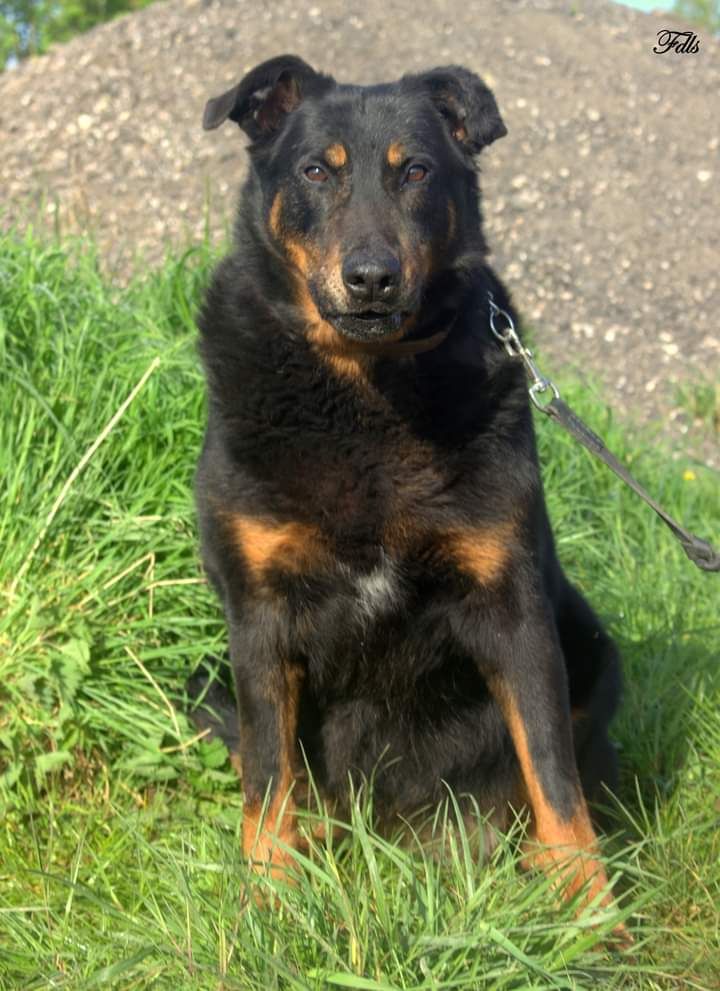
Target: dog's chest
[(377, 592), (362, 495), (359, 486), (361, 459)]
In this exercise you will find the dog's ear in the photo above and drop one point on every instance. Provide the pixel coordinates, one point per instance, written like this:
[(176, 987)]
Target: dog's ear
[(262, 100), (466, 103)]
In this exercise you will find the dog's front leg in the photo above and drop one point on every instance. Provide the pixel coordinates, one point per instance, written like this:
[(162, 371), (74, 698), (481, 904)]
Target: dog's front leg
[(531, 691), (519, 654), (268, 694)]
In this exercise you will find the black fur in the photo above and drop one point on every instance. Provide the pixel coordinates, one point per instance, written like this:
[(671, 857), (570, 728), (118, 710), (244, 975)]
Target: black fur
[(428, 590)]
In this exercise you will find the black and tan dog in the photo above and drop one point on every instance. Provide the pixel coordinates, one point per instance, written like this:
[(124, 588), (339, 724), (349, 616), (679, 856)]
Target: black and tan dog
[(370, 501)]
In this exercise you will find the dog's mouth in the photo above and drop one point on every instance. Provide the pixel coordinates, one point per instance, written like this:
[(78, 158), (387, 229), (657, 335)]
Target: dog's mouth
[(367, 325)]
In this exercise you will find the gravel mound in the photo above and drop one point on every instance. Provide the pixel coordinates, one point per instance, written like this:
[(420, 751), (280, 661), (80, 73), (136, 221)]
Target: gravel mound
[(601, 205)]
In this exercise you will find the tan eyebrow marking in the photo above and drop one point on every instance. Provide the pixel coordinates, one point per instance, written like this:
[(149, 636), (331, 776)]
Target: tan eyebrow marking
[(395, 154), (336, 155)]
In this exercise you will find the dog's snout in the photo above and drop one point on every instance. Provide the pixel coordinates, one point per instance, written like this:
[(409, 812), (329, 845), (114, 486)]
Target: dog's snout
[(372, 278)]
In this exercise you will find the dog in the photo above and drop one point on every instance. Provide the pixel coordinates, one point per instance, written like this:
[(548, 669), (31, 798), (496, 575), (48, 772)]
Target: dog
[(370, 503)]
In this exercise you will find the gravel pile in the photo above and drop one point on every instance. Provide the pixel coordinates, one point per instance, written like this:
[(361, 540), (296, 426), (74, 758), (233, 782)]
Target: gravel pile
[(601, 205)]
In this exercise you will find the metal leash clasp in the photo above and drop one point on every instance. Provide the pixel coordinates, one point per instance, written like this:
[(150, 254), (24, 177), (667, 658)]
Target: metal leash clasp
[(503, 328)]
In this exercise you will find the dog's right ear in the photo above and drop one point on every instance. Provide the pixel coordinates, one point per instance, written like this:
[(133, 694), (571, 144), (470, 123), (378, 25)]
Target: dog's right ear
[(262, 100)]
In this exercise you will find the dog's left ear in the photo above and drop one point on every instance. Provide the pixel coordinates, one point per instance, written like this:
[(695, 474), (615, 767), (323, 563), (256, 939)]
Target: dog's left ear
[(466, 103)]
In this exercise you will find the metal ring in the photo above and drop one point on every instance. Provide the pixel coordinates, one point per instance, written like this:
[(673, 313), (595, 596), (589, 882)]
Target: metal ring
[(537, 388), (506, 332)]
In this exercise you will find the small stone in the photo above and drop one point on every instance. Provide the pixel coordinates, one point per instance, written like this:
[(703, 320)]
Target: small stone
[(84, 122), (526, 198), (704, 175)]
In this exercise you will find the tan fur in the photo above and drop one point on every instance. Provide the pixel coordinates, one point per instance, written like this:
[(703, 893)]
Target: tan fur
[(265, 836), (483, 553), (275, 211), (568, 848), (291, 547), (336, 155), (395, 154), (329, 344)]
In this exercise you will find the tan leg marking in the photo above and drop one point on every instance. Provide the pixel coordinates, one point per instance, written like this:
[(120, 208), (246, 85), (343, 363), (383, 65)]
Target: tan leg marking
[(264, 837), (570, 846)]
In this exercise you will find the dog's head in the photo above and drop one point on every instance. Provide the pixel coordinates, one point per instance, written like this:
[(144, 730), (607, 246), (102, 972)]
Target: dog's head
[(370, 193)]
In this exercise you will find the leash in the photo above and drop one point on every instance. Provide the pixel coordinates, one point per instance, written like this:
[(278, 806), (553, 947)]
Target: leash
[(699, 551)]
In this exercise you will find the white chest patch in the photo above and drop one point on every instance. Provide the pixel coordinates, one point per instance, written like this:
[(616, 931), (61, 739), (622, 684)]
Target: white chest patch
[(380, 591)]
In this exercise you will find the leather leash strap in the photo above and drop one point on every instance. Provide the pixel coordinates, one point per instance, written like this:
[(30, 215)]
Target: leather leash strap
[(700, 552)]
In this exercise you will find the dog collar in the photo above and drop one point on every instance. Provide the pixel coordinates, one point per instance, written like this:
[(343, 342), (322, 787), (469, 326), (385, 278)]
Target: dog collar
[(398, 349)]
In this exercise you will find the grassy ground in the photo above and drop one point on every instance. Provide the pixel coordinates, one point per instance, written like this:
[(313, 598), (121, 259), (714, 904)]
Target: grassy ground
[(119, 852)]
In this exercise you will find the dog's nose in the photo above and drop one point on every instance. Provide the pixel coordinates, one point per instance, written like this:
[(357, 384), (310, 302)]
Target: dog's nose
[(372, 278)]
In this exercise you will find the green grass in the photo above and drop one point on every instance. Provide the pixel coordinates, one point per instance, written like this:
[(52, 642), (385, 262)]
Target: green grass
[(701, 399), (120, 862)]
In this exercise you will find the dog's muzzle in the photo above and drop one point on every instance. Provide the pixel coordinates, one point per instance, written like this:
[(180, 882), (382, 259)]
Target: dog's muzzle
[(368, 325)]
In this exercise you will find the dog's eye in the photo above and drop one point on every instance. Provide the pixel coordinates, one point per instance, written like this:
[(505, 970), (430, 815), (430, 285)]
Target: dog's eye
[(416, 173), (315, 174)]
